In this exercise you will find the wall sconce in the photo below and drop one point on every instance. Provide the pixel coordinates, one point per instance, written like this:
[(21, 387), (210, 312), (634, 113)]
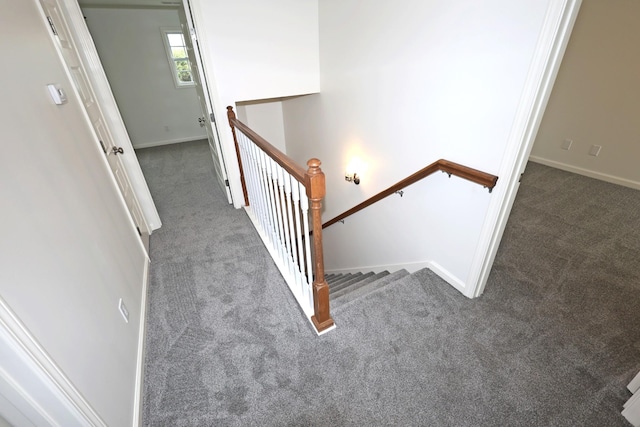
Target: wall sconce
[(350, 174), (352, 177)]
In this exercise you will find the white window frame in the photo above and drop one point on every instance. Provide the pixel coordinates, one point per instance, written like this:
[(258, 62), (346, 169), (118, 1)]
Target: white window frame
[(172, 62)]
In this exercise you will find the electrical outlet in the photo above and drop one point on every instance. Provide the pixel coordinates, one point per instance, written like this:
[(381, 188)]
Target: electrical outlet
[(566, 144), (595, 150), (123, 310)]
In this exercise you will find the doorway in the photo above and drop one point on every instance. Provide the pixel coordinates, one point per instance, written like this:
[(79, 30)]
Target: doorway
[(135, 52)]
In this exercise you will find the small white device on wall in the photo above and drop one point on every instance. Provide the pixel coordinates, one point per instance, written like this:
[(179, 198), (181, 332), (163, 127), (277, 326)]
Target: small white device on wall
[(57, 94)]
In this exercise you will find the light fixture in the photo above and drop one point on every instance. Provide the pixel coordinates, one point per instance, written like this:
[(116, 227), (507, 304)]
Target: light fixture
[(352, 177), (354, 169)]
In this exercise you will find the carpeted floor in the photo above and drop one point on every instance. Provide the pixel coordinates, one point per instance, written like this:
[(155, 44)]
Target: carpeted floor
[(552, 342)]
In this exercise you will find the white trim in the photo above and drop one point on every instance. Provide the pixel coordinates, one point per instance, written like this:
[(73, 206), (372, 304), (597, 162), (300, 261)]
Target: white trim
[(39, 387), (634, 384), (208, 83), (586, 172), (139, 389), (219, 109), (554, 36), (631, 410), (102, 89), (169, 142), (449, 278)]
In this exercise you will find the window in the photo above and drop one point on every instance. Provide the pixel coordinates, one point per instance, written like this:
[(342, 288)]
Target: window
[(177, 55)]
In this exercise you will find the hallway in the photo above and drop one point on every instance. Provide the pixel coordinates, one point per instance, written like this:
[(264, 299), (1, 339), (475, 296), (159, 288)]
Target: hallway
[(553, 343)]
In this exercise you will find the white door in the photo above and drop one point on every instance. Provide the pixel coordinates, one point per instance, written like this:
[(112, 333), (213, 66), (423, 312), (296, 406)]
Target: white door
[(81, 82), (207, 119)]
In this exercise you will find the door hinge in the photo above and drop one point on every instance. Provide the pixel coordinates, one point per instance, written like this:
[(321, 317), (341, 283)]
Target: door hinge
[(520, 179), (139, 232), (213, 118), (52, 25), (226, 182), (103, 147)]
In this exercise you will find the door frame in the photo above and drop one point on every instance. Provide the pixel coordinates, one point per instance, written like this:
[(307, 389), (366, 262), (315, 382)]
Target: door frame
[(552, 43), (104, 96), (219, 109), (210, 113)]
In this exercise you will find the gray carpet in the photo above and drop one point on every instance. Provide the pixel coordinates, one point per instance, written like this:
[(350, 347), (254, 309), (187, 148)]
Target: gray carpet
[(552, 342)]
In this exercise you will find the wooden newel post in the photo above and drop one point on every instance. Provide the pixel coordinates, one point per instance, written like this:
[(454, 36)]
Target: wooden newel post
[(231, 115), (316, 192)]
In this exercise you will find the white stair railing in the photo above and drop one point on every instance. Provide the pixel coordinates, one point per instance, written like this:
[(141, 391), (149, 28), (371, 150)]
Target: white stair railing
[(270, 189), (278, 198)]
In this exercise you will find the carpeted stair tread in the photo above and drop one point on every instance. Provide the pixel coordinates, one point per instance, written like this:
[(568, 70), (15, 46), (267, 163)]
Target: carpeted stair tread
[(356, 301), (353, 294), (350, 278), (366, 277), (352, 281), (371, 277), (342, 278)]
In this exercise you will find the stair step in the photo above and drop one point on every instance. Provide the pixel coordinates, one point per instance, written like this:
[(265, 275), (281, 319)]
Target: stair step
[(344, 278), (332, 278), (354, 280), (371, 277), (353, 294)]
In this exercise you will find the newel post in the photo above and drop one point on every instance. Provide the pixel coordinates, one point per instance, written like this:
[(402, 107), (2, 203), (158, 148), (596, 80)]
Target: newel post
[(231, 115), (316, 191)]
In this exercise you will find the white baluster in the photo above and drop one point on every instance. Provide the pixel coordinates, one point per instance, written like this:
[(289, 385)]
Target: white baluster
[(261, 184), (304, 207), (285, 200), (257, 201), (272, 201), (279, 208), (247, 161), (290, 226), (278, 201), (251, 178), (295, 193)]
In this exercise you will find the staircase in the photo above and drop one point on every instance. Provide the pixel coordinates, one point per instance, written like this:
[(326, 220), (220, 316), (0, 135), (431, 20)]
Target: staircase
[(344, 288)]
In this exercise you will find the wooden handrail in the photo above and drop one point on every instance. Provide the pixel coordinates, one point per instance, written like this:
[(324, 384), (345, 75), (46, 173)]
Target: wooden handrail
[(451, 168), (313, 180), (283, 160)]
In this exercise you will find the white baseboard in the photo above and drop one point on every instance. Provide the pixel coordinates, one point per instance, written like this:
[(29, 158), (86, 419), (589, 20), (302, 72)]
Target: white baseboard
[(32, 383), (168, 142), (586, 172), (139, 390), (411, 268)]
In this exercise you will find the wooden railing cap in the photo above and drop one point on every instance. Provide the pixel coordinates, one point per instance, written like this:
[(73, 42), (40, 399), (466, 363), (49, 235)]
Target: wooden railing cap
[(314, 166)]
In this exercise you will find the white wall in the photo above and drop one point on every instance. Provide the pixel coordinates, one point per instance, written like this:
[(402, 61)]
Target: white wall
[(132, 52), (256, 50), (596, 97), (69, 249), (400, 88), (266, 119)]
